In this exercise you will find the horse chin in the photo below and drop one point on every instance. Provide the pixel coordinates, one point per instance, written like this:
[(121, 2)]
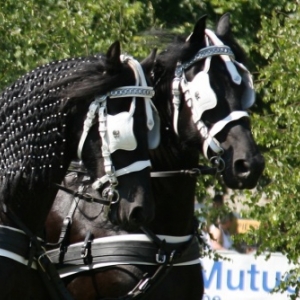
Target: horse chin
[(238, 182)]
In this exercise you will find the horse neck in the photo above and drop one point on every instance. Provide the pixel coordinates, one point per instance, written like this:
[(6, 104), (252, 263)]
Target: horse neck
[(174, 196), (174, 200), (30, 204)]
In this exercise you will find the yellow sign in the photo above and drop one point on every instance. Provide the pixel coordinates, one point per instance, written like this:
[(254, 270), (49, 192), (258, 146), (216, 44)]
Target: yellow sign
[(244, 225)]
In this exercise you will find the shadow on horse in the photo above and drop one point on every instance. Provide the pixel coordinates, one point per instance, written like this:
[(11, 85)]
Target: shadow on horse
[(51, 116), (202, 93)]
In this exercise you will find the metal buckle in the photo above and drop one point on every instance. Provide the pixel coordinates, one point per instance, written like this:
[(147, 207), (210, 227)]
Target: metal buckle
[(44, 255), (160, 258), (86, 249), (144, 284), (111, 194)]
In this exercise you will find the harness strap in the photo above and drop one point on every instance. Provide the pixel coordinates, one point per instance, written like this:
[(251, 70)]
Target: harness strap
[(149, 106), (134, 167), (14, 245), (83, 196), (63, 241), (35, 243), (55, 286), (148, 284), (235, 76), (179, 250), (213, 144), (35, 252), (176, 102), (124, 252), (195, 172)]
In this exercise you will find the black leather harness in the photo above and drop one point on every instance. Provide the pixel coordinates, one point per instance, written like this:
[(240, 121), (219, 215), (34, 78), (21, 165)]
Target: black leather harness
[(158, 252)]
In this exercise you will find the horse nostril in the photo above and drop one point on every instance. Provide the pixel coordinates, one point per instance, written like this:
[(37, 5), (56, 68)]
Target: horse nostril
[(137, 216), (242, 168)]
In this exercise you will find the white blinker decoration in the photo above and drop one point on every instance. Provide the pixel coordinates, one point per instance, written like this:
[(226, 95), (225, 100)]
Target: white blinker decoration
[(248, 99), (120, 130), (202, 95)]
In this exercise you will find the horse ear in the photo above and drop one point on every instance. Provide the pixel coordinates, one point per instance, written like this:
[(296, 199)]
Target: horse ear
[(199, 31), (114, 52), (148, 62), (223, 26)]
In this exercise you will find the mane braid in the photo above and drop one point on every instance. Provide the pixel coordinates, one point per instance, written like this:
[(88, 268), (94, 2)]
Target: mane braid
[(34, 114), (32, 124)]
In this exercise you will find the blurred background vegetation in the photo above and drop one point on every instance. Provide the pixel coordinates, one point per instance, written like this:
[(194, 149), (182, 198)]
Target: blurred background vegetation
[(33, 32)]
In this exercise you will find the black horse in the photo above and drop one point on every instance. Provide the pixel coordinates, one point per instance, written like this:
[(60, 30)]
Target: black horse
[(202, 92), (48, 119)]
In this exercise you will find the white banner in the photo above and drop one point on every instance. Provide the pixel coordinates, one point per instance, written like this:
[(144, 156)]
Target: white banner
[(244, 277)]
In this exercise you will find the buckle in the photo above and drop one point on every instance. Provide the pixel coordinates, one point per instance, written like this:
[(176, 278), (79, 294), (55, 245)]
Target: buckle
[(160, 257), (144, 284), (42, 260), (86, 249)]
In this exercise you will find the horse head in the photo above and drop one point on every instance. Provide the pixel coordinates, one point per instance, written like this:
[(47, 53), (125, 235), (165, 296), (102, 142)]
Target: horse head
[(127, 123), (98, 108), (211, 90)]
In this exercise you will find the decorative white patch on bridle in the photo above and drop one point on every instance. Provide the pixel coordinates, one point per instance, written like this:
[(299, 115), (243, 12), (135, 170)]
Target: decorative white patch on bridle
[(200, 96), (116, 131)]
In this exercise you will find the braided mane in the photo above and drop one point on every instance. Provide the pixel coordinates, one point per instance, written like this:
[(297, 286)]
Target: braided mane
[(34, 115)]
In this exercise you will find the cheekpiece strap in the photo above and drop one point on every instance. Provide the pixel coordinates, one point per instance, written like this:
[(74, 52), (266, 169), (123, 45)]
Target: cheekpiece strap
[(89, 121)]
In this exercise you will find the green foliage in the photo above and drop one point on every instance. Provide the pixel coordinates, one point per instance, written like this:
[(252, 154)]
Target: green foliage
[(280, 131), (34, 32), (269, 32), (273, 29)]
